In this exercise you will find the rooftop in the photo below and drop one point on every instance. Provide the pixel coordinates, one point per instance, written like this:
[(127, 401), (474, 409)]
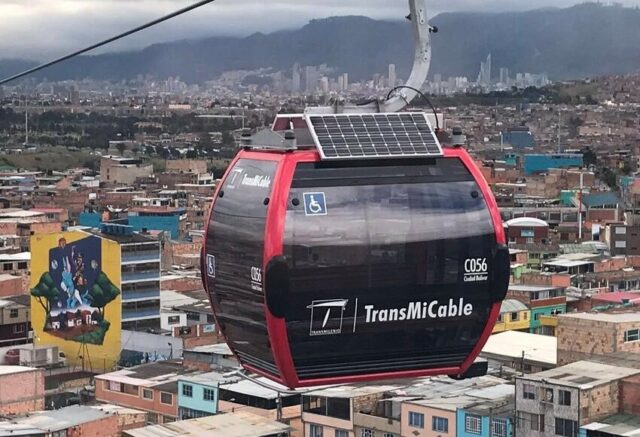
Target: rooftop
[(527, 222), (618, 425), (10, 370), (238, 424), (600, 199), (511, 344), (55, 420), (531, 288), (584, 375), (512, 306), (630, 317)]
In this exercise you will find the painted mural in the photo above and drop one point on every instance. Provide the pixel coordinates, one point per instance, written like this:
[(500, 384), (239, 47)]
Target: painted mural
[(72, 293)]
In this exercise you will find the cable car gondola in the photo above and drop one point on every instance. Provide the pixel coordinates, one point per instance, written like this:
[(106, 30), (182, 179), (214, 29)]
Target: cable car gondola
[(360, 250)]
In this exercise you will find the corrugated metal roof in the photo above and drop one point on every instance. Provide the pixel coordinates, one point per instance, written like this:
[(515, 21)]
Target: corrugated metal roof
[(512, 306)]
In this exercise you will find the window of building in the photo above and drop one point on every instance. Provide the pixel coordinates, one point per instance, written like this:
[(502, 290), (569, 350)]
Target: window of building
[(473, 424), (174, 320), (166, 398), (19, 328), (500, 319), (339, 408), (187, 390), (14, 313), (388, 434), (342, 433), (368, 433), (147, 394), (499, 428), (209, 395), (621, 244), (440, 424), (62, 433), (529, 392), (632, 335), (152, 418), (515, 317), (525, 316), (23, 266), (7, 267), (315, 430), (188, 413), (564, 397), (566, 428), (416, 420)]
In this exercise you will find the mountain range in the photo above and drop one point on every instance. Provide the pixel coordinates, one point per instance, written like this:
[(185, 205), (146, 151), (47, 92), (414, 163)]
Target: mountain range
[(585, 40)]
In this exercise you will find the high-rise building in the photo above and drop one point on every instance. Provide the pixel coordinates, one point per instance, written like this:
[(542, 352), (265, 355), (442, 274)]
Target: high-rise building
[(504, 76), (311, 77), (296, 85), (393, 78), (345, 77), (484, 77)]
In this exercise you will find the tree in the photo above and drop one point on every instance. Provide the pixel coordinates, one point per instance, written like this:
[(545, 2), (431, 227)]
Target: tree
[(103, 292), (192, 154), (46, 294), (121, 148)]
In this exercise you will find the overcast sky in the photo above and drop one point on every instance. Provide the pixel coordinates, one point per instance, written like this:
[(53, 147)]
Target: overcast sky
[(37, 29)]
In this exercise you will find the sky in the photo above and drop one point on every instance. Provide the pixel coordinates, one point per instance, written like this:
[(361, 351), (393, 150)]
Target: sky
[(40, 29)]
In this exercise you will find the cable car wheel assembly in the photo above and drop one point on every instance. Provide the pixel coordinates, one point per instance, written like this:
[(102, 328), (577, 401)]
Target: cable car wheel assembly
[(352, 246)]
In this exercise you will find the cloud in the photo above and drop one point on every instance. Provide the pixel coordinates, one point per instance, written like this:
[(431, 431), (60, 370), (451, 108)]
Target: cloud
[(39, 29)]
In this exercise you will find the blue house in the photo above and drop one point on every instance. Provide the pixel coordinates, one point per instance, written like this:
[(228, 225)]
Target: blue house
[(489, 417), (198, 395), (541, 163), (164, 219)]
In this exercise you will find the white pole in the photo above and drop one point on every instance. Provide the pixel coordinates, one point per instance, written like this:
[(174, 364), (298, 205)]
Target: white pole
[(580, 206)]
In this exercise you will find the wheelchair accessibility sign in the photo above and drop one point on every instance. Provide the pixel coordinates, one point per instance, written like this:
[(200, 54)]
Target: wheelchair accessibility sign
[(315, 204)]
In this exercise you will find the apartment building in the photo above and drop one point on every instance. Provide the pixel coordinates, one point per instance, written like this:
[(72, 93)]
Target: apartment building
[(140, 276)]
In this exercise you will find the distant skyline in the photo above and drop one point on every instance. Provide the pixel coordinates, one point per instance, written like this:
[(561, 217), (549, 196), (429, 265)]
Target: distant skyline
[(39, 29)]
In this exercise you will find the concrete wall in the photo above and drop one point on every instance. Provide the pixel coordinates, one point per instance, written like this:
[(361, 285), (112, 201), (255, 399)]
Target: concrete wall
[(538, 406), (151, 343)]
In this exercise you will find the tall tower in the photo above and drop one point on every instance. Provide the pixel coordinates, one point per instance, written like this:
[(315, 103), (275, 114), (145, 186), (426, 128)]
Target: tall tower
[(393, 78), (297, 79)]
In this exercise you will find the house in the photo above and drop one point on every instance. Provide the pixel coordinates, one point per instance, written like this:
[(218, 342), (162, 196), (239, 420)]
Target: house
[(514, 316), (608, 336), (523, 351), (561, 400)]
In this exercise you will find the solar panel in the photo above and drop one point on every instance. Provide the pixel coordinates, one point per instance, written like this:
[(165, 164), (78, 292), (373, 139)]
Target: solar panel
[(351, 136)]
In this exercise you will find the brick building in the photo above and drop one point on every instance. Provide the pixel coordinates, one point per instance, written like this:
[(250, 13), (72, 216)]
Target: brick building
[(585, 335), (123, 171), (526, 230), (15, 320), (561, 400), (152, 388), (21, 390)]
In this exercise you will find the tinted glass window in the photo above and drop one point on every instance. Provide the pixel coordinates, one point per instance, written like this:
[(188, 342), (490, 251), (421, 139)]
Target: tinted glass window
[(235, 249), (393, 272)]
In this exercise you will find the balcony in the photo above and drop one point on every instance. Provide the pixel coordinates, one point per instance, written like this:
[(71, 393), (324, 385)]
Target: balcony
[(139, 257), (141, 276), (128, 296), (128, 315)]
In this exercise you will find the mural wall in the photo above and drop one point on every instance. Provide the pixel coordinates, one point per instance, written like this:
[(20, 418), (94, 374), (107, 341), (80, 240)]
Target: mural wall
[(76, 296)]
